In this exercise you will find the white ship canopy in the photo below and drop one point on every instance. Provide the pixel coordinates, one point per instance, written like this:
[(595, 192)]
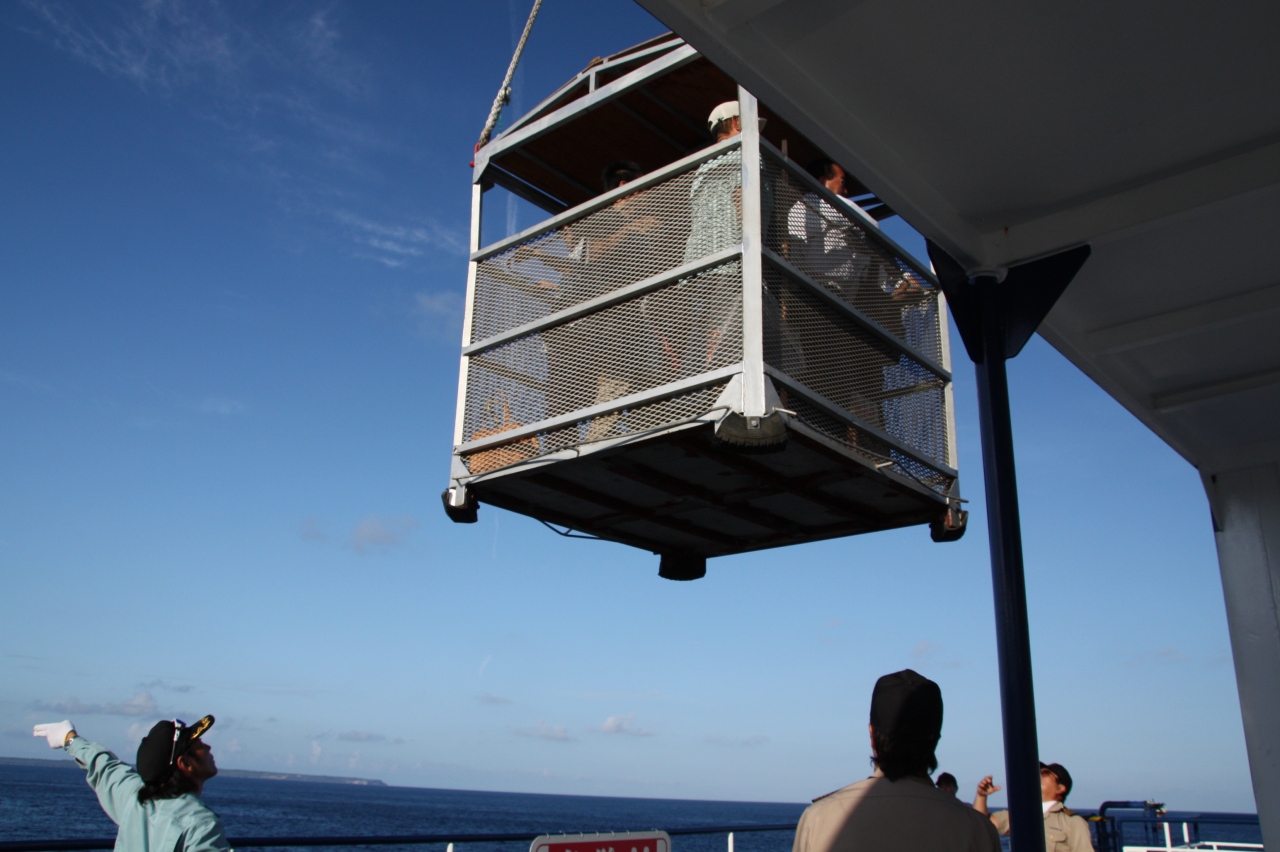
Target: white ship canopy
[(1151, 132), (1007, 131)]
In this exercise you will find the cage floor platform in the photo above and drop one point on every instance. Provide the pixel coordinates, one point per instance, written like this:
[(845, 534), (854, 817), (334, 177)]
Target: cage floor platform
[(685, 492)]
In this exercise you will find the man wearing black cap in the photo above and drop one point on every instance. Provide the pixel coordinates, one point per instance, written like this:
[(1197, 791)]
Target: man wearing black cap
[(1064, 830), (157, 805), (898, 807)]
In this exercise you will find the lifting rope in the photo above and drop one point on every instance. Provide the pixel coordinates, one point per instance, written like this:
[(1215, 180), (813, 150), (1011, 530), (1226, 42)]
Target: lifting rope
[(504, 93)]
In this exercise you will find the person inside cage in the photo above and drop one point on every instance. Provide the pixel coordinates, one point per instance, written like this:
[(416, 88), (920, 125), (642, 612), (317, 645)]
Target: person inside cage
[(612, 247), (716, 193), (715, 198), (580, 253), (817, 239), (823, 242)]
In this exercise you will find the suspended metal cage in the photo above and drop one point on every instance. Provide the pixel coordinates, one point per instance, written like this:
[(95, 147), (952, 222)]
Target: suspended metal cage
[(717, 357)]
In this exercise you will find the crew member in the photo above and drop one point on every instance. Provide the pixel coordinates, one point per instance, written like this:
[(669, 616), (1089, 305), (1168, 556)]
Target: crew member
[(157, 805), (1064, 830), (947, 783), (898, 807)]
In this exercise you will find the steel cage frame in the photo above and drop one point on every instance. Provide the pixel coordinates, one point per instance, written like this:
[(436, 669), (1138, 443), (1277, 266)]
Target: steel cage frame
[(749, 390)]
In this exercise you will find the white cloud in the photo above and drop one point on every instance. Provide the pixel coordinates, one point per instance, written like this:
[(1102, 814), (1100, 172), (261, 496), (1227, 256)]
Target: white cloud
[(1167, 655), (756, 740), (220, 405), (1170, 654), (161, 683), (930, 654), (402, 240), (150, 423), (389, 262), (439, 314), (374, 534), (316, 751), (360, 737), (624, 724), (158, 46), (141, 704), (317, 39), (269, 92), (543, 731), (22, 380), (309, 531), (924, 650), (394, 247), (438, 304)]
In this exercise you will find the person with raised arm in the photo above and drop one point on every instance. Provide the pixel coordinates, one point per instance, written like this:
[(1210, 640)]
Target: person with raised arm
[(156, 805), (1064, 830)]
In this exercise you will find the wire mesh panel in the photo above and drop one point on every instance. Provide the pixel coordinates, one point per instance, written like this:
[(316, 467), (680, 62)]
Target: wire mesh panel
[(685, 329), (688, 216), (864, 443), (635, 420), (831, 246), (821, 348)]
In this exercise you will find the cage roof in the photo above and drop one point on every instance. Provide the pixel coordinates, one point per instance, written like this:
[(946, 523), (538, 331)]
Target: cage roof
[(647, 104)]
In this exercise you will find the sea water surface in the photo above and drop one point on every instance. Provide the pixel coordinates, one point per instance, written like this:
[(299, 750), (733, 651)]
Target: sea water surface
[(47, 803), (54, 802)]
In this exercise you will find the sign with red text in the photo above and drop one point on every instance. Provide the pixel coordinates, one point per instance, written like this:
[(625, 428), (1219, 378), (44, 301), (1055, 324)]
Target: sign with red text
[(634, 841)]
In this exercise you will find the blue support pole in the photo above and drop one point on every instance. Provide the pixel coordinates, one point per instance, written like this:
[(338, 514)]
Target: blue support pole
[(1013, 635), (996, 318)]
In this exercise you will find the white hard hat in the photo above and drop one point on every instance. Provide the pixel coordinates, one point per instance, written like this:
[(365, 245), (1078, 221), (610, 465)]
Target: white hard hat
[(728, 109)]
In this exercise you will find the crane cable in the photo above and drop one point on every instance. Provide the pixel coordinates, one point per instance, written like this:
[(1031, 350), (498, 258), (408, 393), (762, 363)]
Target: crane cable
[(504, 93)]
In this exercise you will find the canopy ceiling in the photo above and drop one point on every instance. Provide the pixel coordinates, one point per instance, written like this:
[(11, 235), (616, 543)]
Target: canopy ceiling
[(1006, 131)]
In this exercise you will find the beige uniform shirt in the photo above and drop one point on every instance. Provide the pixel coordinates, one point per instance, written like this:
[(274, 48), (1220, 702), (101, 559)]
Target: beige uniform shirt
[(907, 814), (1063, 830)]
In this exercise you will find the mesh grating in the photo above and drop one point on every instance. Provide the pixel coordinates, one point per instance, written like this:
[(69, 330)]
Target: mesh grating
[(865, 444), (632, 421), (833, 248), (684, 218), (683, 330), (828, 352)]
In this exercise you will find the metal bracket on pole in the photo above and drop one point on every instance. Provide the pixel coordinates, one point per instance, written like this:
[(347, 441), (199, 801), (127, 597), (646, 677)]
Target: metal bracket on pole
[(996, 318), (1023, 298)]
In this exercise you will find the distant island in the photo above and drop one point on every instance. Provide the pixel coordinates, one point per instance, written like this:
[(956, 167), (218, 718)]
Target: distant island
[(227, 773), (292, 776)]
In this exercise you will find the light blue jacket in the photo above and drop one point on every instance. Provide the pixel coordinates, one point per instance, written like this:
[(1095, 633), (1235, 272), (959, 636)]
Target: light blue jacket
[(184, 824)]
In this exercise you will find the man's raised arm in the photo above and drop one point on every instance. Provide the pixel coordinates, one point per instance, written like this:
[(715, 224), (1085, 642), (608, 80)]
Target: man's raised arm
[(114, 781)]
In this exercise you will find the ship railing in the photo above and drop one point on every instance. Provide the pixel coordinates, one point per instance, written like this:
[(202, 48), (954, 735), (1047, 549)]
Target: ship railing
[(1223, 845), (448, 841), (1177, 831)]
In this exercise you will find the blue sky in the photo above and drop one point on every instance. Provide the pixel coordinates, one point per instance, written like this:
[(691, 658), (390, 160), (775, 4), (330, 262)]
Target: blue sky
[(232, 252)]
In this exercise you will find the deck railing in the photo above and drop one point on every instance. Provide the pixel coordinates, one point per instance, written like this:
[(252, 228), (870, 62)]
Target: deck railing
[(1161, 832), (447, 840), (1179, 832)]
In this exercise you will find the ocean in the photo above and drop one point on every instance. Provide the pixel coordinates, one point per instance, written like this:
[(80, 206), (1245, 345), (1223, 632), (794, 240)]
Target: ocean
[(54, 802), (46, 803)]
